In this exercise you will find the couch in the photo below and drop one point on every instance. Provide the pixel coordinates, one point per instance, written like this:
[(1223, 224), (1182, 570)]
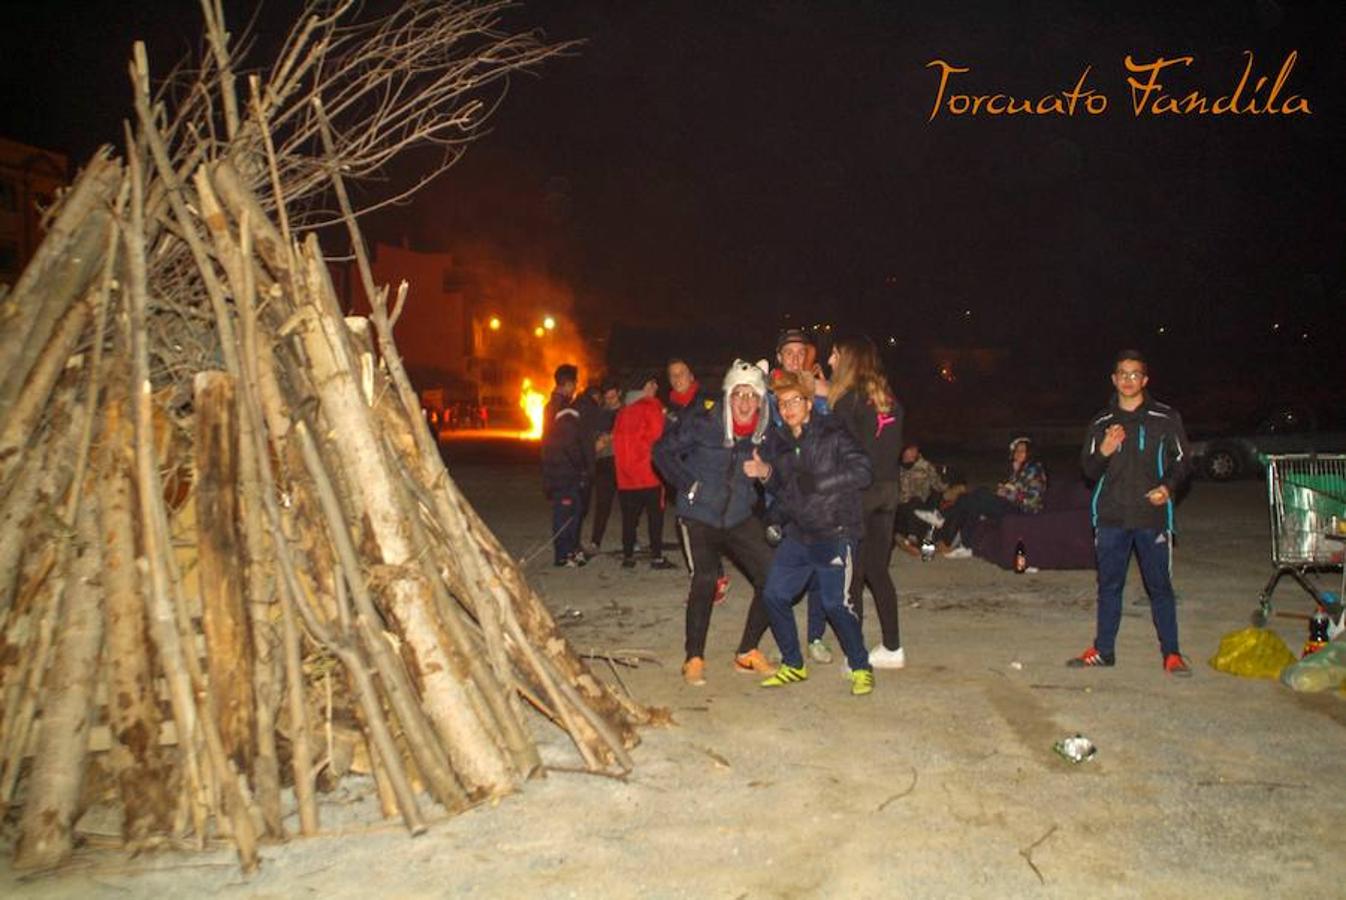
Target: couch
[(1059, 537)]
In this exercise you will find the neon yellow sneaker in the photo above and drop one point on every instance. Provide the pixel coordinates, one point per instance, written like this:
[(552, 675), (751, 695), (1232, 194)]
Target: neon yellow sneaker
[(862, 682), (787, 675)]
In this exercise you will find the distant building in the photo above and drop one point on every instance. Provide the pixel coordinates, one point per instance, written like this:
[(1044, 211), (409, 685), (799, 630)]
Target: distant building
[(473, 329), (29, 179)]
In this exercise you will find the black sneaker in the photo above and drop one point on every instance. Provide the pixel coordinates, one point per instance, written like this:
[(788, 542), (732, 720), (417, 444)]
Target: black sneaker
[(1090, 658), (628, 563), (661, 563)]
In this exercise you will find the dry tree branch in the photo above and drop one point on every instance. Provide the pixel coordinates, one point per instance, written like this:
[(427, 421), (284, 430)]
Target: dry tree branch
[(426, 74)]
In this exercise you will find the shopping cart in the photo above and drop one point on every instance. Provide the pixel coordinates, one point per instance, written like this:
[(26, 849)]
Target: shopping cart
[(1306, 494)]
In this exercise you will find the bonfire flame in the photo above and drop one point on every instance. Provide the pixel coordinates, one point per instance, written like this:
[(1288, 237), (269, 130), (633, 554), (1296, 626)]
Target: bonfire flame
[(535, 406)]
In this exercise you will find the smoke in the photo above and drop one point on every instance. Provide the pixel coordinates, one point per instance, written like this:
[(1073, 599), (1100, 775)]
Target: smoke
[(538, 330)]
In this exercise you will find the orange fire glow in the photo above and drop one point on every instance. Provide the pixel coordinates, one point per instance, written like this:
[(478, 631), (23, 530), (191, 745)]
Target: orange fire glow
[(534, 405)]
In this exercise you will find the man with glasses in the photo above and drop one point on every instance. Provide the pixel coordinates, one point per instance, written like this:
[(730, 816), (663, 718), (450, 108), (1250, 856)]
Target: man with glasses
[(1136, 452), (796, 352)]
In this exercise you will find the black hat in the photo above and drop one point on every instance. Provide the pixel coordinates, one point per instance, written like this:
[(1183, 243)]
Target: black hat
[(794, 336), (638, 381)]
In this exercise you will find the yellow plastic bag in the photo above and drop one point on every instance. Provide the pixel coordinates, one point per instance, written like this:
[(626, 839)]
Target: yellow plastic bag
[(1252, 653)]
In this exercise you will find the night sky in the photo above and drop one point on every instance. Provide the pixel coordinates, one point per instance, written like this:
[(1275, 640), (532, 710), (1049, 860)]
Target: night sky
[(735, 163)]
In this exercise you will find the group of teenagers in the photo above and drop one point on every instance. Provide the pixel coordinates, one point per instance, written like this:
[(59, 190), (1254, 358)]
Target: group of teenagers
[(796, 477)]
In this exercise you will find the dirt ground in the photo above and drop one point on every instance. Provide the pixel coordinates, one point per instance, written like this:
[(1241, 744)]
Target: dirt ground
[(942, 783)]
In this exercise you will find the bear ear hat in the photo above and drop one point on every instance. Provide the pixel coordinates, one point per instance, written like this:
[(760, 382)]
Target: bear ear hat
[(754, 375)]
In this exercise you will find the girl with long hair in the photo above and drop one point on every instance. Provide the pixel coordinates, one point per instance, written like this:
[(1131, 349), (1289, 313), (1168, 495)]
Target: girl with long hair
[(861, 397)]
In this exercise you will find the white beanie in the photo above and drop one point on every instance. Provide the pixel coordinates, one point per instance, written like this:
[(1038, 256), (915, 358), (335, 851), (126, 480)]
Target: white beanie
[(753, 375)]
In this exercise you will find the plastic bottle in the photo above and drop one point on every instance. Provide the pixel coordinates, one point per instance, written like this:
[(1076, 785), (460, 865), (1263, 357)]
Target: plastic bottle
[(1020, 558), (1318, 623)]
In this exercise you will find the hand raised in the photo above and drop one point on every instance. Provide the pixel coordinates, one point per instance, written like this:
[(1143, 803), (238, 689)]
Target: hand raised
[(755, 467), (1112, 440)]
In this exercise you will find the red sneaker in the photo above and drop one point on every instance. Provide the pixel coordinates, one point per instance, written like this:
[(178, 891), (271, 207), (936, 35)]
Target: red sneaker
[(1174, 664), (721, 589)]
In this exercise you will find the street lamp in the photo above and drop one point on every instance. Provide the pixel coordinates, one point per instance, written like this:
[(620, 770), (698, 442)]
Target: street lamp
[(539, 331), (549, 323), (494, 323)]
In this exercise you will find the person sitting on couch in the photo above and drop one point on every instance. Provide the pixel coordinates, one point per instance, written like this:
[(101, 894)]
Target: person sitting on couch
[(920, 486), (1023, 492)]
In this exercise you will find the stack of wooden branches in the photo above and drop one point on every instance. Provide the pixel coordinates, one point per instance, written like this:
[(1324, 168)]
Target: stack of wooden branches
[(231, 558)]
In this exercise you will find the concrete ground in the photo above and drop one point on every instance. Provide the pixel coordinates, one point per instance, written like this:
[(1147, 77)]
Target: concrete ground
[(943, 783)]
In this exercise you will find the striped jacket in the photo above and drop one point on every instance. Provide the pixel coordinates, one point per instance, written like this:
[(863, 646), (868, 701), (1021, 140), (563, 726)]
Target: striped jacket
[(1154, 452)]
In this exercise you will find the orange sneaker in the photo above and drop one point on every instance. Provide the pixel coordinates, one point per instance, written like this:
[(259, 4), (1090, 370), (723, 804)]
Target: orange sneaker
[(694, 671), (753, 663)]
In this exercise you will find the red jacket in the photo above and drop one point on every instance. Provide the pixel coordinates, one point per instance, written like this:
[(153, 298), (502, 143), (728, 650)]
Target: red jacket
[(638, 426)]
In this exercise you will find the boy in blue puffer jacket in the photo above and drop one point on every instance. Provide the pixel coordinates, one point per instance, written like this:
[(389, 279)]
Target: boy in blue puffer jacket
[(817, 472)]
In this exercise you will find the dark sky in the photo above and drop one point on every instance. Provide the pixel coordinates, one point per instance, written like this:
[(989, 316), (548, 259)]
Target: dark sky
[(707, 161)]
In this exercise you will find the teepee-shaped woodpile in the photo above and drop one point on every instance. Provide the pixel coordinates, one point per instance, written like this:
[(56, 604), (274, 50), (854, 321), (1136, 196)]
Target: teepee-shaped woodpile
[(231, 558)]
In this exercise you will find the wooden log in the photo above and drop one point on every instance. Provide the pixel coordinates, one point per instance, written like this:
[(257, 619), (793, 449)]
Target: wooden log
[(260, 497), (262, 613), (54, 786), (420, 736), (368, 705), (21, 701), (602, 736), (42, 479), (18, 638), (166, 611), (500, 580), (523, 752), (21, 419), (142, 769), (24, 687), (14, 513), (488, 673), (224, 619), (235, 258), (66, 262), (450, 697), (390, 517), (387, 797)]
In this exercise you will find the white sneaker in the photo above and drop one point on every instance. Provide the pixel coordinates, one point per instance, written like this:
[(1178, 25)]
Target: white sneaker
[(959, 553), (820, 652), (930, 517), (883, 658)]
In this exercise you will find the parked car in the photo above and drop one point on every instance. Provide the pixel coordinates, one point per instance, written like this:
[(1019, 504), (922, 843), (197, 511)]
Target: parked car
[(1282, 429)]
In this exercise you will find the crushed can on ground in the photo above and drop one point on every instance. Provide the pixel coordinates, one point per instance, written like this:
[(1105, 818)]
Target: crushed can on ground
[(1076, 748)]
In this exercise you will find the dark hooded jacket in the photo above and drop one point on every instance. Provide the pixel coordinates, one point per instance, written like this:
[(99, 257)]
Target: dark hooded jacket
[(706, 471), (817, 480), (565, 467), (1155, 452)]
